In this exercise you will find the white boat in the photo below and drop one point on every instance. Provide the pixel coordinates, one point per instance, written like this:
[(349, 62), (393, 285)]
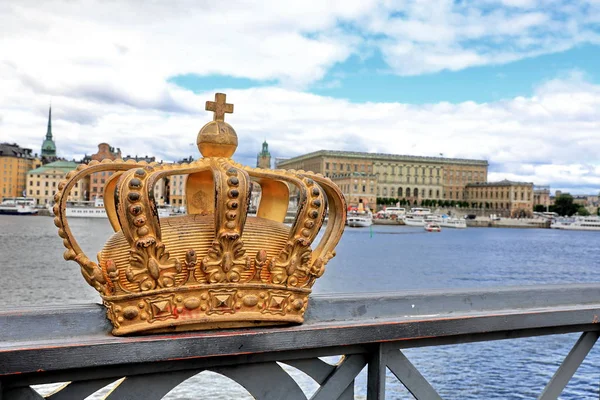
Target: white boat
[(420, 211), (414, 220), (86, 209), (420, 217), (433, 227), (451, 222), (577, 224), (95, 209), (18, 206), (359, 219)]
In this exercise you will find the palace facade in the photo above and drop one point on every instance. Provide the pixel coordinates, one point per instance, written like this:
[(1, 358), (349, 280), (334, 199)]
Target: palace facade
[(512, 198), (367, 176)]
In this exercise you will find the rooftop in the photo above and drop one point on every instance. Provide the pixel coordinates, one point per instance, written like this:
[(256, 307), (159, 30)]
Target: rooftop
[(64, 165), (14, 150), (380, 156)]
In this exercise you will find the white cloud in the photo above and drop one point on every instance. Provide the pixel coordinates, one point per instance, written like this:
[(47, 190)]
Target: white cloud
[(425, 37), (106, 66)]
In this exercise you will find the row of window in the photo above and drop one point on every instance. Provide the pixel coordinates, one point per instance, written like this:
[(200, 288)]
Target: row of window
[(349, 167), (416, 179), (499, 195), (402, 193), (346, 188), (37, 192)]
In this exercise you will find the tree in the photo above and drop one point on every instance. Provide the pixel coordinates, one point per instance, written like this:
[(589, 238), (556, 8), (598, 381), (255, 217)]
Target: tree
[(539, 208), (583, 211), (563, 205)]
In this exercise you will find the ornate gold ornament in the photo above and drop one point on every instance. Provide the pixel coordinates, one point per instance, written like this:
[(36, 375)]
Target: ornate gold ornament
[(216, 266)]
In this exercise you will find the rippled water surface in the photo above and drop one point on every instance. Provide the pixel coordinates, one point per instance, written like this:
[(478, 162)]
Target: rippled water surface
[(382, 259)]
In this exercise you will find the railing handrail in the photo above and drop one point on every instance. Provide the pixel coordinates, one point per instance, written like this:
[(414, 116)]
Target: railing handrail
[(61, 338)]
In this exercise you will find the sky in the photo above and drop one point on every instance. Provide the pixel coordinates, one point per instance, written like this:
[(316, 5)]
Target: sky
[(514, 82)]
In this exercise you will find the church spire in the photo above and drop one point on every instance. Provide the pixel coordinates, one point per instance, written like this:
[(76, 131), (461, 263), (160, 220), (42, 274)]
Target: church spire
[(48, 146), (49, 131)]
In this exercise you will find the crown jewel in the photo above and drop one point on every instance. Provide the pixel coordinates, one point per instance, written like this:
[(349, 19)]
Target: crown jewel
[(215, 266)]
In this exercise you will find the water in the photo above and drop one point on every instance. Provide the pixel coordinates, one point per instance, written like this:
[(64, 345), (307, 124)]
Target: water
[(391, 259)]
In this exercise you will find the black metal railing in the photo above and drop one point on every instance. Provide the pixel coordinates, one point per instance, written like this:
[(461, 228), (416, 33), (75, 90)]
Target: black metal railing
[(73, 344)]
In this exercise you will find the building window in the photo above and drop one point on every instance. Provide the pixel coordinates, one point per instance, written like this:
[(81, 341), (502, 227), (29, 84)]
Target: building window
[(327, 165), (364, 189)]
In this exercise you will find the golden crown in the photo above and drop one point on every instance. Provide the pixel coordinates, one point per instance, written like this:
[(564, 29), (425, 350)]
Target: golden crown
[(216, 266)]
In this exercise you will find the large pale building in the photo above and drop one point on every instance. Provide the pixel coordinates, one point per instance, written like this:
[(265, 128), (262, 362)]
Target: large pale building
[(541, 196), (177, 186), (512, 198), (413, 178), (357, 186), (42, 182), (15, 161)]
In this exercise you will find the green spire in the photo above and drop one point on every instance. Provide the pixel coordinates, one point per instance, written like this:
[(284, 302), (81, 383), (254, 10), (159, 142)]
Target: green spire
[(265, 149), (49, 131), (48, 146)]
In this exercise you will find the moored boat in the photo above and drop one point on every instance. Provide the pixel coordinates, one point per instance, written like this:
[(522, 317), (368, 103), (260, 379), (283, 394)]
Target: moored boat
[(18, 206), (451, 222), (359, 220), (86, 209), (577, 224)]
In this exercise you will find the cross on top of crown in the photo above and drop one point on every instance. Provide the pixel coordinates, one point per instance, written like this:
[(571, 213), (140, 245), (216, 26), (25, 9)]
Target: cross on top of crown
[(219, 107)]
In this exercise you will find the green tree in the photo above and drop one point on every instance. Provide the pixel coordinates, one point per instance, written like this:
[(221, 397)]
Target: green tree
[(583, 211), (539, 208), (563, 205)]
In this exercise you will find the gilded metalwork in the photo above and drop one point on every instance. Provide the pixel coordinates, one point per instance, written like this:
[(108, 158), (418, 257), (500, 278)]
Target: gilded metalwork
[(215, 267)]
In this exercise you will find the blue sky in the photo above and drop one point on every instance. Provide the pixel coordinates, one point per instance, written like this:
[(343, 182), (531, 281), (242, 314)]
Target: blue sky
[(514, 82), (371, 80)]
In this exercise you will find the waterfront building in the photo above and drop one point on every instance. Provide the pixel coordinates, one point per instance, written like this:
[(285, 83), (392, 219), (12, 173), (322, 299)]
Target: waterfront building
[(177, 186), (42, 182), (98, 179), (514, 199), (263, 160), (48, 153), (541, 195), (15, 161), (357, 186), (413, 178)]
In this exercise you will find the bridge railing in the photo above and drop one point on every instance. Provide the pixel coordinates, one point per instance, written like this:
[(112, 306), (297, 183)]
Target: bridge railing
[(73, 344)]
